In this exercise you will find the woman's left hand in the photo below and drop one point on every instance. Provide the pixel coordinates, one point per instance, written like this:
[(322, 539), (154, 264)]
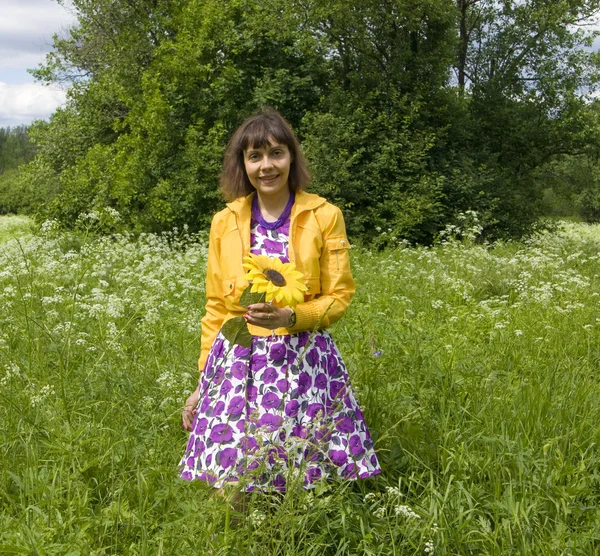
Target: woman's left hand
[(268, 316)]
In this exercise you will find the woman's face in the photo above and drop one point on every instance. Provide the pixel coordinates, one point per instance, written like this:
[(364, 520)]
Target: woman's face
[(268, 168)]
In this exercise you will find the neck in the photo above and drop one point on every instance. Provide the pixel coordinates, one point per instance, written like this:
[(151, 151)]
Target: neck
[(271, 207)]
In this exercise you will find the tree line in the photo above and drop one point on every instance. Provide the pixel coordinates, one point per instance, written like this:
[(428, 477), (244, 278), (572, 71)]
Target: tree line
[(410, 111)]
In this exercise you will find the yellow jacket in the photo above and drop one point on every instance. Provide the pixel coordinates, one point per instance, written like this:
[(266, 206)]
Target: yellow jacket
[(318, 247)]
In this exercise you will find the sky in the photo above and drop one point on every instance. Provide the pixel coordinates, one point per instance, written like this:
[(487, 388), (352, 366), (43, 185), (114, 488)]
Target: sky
[(26, 29)]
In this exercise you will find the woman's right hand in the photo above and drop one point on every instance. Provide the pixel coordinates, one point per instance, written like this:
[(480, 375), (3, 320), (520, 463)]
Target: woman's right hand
[(187, 415)]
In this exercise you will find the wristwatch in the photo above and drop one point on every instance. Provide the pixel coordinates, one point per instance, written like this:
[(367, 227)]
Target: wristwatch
[(292, 321)]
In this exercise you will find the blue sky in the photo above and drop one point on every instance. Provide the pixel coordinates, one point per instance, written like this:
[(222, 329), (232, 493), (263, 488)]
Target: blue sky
[(26, 29)]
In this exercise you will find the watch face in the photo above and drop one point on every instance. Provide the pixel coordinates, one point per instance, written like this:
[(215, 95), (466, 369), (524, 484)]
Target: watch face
[(293, 318)]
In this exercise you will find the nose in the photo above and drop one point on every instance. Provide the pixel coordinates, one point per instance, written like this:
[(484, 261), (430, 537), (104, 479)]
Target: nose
[(266, 162)]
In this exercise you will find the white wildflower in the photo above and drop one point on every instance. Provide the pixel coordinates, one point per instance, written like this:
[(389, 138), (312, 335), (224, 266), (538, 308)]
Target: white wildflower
[(379, 512), (406, 511)]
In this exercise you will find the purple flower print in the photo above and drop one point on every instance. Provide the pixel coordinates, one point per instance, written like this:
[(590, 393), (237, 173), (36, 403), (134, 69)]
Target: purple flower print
[(323, 434), (208, 476), (356, 447), (201, 426), (333, 365), (219, 408), (251, 393), (338, 457), (321, 381), (217, 348), (313, 474), (187, 475), (321, 342), (199, 447), (236, 406), (304, 383), (227, 457), (291, 408), (313, 409), (221, 433), (241, 425), (190, 461), (299, 431), (261, 232), (190, 443), (273, 247), (270, 400), (241, 352), (374, 460), (279, 482), (276, 454), (277, 352), (252, 465), (248, 445), (312, 357), (302, 339), (238, 370), (258, 362), (270, 422), (349, 471), (311, 454), (225, 387), (283, 385), (345, 425), (219, 374), (270, 375), (205, 404), (335, 387)]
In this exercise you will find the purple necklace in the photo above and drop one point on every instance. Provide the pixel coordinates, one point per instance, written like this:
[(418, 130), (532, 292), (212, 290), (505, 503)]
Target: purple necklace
[(257, 215)]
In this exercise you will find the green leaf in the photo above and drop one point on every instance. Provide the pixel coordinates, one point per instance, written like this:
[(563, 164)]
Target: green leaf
[(236, 331), (248, 298)]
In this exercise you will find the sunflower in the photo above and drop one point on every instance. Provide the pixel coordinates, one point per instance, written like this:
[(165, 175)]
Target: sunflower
[(279, 281)]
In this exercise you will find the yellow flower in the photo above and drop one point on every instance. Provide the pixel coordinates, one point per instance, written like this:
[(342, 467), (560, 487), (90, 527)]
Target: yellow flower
[(279, 281)]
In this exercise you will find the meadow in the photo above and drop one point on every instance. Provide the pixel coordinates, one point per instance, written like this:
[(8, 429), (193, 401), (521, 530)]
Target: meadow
[(477, 367)]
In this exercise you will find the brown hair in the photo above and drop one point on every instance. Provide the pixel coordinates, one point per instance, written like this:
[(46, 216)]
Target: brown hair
[(255, 132)]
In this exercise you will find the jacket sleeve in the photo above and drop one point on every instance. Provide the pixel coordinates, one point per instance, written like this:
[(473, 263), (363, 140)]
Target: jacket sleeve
[(337, 284), (215, 304)]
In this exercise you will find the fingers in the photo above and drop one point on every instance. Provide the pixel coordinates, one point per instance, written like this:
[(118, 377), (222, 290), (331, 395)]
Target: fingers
[(187, 418), (264, 314)]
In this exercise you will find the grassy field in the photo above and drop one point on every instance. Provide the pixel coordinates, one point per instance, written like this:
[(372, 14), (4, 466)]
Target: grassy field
[(14, 226), (477, 368)]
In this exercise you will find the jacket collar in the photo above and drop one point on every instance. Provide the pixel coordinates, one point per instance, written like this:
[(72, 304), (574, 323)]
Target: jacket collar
[(242, 206)]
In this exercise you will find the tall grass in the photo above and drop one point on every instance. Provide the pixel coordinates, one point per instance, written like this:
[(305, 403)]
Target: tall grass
[(476, 367)]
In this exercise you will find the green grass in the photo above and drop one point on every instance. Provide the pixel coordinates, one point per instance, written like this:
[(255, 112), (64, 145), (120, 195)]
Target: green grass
[(476, 367), (14, 226)]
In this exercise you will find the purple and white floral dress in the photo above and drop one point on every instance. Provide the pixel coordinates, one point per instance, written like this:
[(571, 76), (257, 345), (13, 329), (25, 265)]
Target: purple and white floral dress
[(282, 410)]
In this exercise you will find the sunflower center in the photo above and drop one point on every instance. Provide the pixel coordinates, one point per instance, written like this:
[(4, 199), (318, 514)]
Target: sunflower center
[(275, 277)]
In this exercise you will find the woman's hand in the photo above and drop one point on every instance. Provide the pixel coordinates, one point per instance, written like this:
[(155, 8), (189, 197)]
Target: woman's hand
[(268, 316), (187, 415)]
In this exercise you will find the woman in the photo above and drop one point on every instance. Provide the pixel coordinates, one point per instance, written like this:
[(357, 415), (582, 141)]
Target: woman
[(282, 409)]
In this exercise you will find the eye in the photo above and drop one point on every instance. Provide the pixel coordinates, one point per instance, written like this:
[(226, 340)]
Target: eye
[(253, 156)]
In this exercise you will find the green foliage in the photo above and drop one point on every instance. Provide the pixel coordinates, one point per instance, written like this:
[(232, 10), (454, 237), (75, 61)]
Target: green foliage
[(475, 365), (397, 138)]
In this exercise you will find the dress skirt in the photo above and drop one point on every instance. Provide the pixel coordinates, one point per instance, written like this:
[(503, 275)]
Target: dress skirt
[(282, 410)]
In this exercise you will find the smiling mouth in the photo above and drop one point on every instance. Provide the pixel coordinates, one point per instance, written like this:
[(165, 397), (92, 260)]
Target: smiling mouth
[(268, 178)]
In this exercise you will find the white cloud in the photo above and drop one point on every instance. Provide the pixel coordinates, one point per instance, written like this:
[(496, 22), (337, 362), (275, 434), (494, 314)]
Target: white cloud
[(23, 103), (26, 30)]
